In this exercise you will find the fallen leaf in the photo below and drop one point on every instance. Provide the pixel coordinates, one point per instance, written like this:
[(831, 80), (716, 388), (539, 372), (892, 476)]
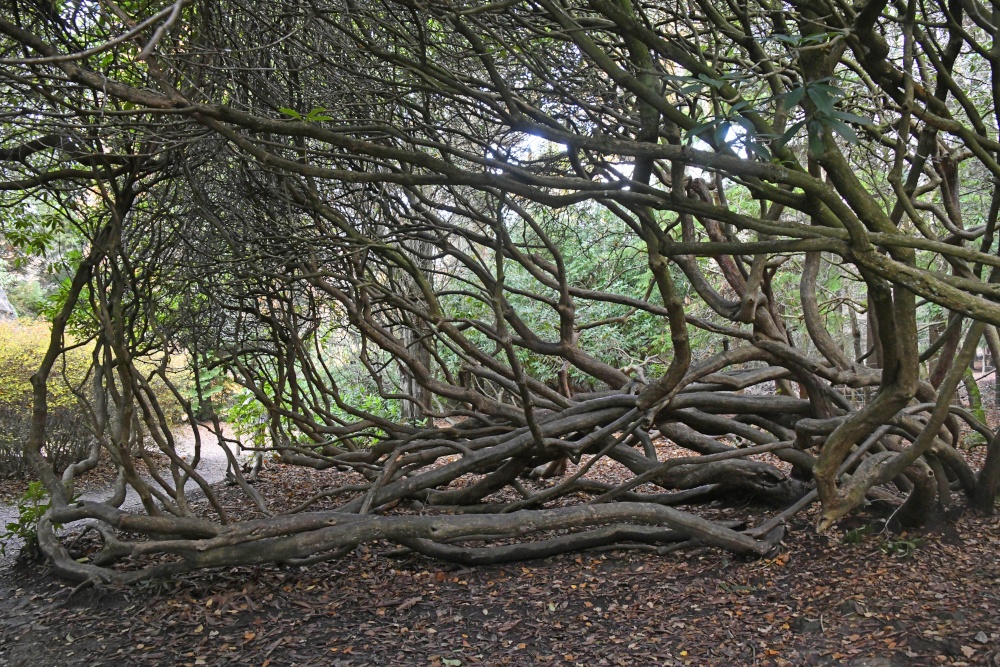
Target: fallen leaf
[(409, 603)]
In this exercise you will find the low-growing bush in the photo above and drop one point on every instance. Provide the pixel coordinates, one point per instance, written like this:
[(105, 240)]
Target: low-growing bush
[(67, 439), (22, 346), (28, 298), (30, 508)]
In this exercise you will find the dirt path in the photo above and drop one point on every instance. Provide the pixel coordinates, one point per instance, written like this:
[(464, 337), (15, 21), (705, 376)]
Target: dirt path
[(823, 602), (856, 596), (211, 466)]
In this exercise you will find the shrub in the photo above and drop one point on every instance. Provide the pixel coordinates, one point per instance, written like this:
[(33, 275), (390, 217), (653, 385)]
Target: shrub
[(67, 439), (22, 346), (30, 508), (28, 298)]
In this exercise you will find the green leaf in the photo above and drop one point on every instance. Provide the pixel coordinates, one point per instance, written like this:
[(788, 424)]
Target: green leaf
[(792, 98), (714, 83), (316, 114), (844, 130), (212, 391), (291, 112), (451, 662), (760, 150), (701, 128), (786, 39), (791, 132), (817, 38), (852, 118), (832, 91), (822, 99), (746, 124)]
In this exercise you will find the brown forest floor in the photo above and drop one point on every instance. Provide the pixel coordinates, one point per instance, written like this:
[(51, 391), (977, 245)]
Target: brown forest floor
[(858, 598)]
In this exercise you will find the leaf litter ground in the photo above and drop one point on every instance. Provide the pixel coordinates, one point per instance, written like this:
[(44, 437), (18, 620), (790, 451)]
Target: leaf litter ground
[(855, 596)]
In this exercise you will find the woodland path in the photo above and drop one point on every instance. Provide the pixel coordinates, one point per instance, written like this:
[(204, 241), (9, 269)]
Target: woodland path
[(854, 596), (212, 467)]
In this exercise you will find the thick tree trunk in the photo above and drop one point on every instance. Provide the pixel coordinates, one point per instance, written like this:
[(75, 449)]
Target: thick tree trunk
[(414, 409), (946, 355), (873, 344), (988, 481), (993, 344), (414, 336)]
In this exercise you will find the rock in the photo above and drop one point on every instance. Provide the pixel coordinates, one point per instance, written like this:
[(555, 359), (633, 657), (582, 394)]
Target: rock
[(7, 311)]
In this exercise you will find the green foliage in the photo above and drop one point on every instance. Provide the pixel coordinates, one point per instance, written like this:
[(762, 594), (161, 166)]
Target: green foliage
[(354, 384), (856, 535), (204, 387), (823, 96), (315, 114), (597, 255), (31, 506), (730, 123), (897, 547), (247, 417), (28, 297), (365, 397), (22, 346), (900, 547)]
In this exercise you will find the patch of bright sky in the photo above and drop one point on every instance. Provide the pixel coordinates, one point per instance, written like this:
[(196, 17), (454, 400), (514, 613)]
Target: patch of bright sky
[(533, 147)]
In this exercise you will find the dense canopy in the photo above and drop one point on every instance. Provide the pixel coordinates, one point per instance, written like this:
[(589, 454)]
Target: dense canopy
[(450, 245)]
